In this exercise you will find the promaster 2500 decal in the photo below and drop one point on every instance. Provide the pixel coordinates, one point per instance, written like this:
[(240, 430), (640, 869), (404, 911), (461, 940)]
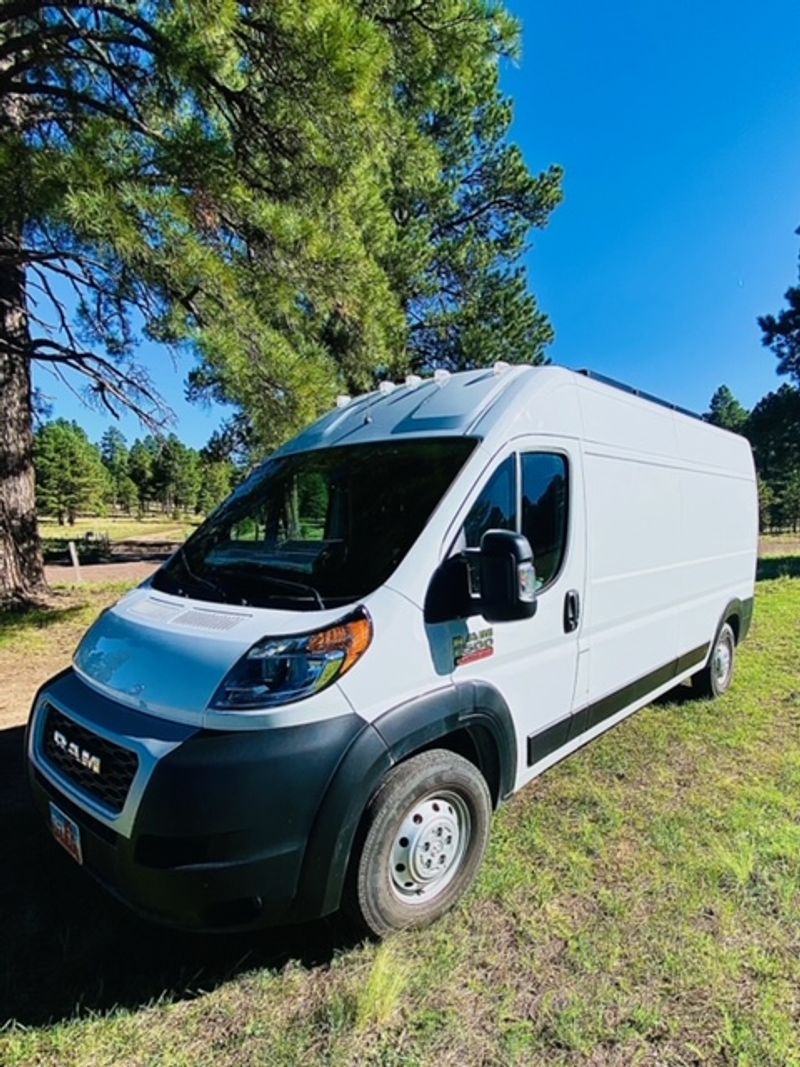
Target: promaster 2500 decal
[(467, 648)]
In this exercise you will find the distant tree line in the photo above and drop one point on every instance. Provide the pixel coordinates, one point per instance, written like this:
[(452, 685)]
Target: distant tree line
[(74, 476), (773, 429), (773, 426)]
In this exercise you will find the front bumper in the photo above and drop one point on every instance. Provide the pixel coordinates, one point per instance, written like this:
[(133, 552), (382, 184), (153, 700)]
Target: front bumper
[(212, 831)]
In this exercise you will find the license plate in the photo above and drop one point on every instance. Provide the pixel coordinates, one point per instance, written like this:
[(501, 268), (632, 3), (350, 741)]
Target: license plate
[(67, 832)]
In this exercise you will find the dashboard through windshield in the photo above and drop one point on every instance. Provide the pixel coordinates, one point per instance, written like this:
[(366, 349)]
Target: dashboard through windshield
[(317, 529)]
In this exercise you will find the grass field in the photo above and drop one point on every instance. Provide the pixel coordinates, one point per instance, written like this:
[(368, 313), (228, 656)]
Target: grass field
[(640, 904), (119, 528), (121, 534), (66, 616)]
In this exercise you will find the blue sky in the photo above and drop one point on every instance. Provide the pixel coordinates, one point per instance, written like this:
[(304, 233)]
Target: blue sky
[(679, 128)]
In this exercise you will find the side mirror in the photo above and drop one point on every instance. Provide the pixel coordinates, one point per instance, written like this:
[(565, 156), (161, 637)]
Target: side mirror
[(508, 577)]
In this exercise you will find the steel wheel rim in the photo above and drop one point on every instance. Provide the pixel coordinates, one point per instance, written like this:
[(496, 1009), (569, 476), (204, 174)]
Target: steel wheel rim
[(429, 846), (722, 663)]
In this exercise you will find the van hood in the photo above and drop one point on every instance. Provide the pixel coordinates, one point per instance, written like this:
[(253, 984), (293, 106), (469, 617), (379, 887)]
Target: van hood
[(167, 655)]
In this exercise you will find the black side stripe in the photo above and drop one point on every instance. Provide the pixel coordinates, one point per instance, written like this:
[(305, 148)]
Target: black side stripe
[(567, 729)]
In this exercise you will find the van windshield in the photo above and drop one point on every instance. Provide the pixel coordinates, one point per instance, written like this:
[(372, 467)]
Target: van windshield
[(317, 529)]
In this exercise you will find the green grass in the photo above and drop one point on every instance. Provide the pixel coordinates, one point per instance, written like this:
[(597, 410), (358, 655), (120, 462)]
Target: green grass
[(108, 532), (117, 529), (640, 904), (70, 610)]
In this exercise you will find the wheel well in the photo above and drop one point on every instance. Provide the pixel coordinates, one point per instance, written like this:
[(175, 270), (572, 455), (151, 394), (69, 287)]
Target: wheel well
[(476, 744), (734, 622)]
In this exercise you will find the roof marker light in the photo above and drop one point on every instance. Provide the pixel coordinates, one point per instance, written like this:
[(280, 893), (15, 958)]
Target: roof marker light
[(385, 388), (343, 400), (441, 375), (500, 366), (413, 380)]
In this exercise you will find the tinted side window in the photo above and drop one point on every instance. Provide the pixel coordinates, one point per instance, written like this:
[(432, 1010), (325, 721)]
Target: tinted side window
[(544, 510), (495, 508)]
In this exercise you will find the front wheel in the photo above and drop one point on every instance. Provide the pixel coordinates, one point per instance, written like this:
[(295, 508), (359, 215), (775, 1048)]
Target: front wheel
[(427, 829), (717, 675)]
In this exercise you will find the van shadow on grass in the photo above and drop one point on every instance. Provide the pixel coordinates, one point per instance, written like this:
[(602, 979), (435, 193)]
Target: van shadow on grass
[(770, 567), (68, 947)]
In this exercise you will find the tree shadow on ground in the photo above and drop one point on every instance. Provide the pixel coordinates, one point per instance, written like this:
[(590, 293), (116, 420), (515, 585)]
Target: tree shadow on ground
[(770, 567), (69, 948), (36, 616)]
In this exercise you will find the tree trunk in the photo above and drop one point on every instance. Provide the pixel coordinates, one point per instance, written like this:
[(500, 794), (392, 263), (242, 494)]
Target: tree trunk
[(21, 565)]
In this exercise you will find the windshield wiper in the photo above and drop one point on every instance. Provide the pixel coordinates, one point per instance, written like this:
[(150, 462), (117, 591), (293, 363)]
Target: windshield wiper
[(285, 582), (201, 581)]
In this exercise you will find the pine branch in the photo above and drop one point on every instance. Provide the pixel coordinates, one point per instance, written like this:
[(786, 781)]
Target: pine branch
[(79, 99), (114, 387)]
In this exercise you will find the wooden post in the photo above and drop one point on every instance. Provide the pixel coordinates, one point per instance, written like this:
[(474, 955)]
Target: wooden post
[(73, 555)]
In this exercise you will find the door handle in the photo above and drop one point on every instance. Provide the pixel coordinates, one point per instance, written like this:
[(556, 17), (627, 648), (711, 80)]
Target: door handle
[(572, 611)]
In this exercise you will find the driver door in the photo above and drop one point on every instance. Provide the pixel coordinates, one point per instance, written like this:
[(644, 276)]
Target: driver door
[(535, 489)]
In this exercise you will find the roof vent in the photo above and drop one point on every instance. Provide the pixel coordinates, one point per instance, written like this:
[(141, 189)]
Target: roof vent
[(385, 388), (413, 380), (441, 375), (501, 366), (342, 401)]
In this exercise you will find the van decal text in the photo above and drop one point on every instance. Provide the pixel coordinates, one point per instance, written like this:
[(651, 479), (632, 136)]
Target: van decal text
[(467, 648)]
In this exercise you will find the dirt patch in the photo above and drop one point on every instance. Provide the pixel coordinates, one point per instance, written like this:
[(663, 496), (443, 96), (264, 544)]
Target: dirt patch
[(45, 643), (779, 545), (49, 640), (22, 675), (172, 534), (132, 571)]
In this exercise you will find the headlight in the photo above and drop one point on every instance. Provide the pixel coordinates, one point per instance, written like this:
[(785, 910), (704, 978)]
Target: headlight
[(280, 670)]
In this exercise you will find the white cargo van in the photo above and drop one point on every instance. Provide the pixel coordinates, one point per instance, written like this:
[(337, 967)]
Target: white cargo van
[(404, 615)]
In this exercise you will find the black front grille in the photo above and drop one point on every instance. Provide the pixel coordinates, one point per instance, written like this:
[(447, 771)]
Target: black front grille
[(92, 763)]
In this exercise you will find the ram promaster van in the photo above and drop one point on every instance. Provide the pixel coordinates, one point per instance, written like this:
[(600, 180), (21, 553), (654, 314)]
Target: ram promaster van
[(409, 611)]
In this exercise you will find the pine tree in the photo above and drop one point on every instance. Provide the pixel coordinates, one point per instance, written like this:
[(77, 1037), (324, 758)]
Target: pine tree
[(70, 475), (210, 171), (774, 432), (462, 205), (217, 480), (781, 333), (464, 198), (766, 504), (176, 476), (726, 411), (114, 450), (790, 500), (141, 463)]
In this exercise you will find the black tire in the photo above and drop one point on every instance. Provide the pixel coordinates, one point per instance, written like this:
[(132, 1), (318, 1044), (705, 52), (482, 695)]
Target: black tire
[(426, 832), (717, 675)]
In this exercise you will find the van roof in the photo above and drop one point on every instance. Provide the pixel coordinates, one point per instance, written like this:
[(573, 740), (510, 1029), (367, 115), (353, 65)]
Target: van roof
[(467, 402)]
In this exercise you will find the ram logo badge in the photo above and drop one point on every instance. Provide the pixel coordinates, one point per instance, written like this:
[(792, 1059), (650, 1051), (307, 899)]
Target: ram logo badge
[(80, 755)]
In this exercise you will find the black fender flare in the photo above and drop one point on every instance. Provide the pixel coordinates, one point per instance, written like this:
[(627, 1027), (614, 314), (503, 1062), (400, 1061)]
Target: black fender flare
[(742, 611), (397, 734)]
